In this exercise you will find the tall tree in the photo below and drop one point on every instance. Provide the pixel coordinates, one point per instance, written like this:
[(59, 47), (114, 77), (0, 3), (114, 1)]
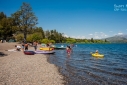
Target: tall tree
[(92, 40), (2, 15), (47, 34), (6, 28), (40, 30), (25, 20)]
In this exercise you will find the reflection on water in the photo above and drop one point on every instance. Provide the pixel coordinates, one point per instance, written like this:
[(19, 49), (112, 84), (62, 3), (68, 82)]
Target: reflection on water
[(80, 68)]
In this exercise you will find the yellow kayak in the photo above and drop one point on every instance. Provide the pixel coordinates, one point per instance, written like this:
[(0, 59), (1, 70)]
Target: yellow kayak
[(97, 55), (46, 48)]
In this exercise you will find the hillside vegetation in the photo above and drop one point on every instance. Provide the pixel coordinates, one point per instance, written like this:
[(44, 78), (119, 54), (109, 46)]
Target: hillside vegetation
[(117, 39)]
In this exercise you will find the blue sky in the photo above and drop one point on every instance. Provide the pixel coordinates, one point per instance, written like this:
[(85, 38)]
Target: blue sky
[(76, 18)]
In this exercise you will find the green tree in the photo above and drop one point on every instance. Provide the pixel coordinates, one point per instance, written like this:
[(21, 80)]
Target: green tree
[(45, 41), (19, 37), (39, 30), (25, 20), (47, 34), (36, 36), (51, 41), (2, 15), (105, 40), (70, 40), (92, 40), (6, 28)]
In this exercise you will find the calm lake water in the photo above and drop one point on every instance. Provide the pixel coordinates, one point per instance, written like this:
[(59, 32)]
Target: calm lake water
[(80, 68)]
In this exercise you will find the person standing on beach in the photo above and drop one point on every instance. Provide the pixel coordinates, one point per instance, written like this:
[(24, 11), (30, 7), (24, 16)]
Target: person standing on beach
[(22, 45), (26, 46), (35, 45)]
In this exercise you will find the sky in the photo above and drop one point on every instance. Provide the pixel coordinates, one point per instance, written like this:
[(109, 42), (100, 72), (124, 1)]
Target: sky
[(76, 18)]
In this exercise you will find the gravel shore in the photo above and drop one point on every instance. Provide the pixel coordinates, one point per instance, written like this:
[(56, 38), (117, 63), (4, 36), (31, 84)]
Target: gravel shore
[(19, 69)]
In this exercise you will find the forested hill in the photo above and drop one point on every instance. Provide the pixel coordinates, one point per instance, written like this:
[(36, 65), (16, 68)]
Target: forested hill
[(117, 39)]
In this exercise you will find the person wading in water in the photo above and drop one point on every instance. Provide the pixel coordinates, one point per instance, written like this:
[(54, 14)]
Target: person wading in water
[(68, 49)]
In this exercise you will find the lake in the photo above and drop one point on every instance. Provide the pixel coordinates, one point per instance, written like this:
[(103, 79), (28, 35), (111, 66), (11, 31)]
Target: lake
[(80, 68)]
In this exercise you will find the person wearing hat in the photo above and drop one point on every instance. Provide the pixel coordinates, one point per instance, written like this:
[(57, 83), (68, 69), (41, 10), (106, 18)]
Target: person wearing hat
[(96, 52)]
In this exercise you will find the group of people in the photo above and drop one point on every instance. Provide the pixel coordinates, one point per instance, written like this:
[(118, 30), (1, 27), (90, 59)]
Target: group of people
[(25, 46)]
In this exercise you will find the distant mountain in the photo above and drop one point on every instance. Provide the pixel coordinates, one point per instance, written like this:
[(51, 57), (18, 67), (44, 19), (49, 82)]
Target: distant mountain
[(124, 36), (117, 39)]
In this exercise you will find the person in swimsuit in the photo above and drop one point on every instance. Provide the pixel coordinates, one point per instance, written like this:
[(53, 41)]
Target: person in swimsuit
[(26, 46), (68, 49), (35, 45)]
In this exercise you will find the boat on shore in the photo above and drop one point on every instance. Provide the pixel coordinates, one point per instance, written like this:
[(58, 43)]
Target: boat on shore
[(28, 52), (45, 48), (59, 47), (44, 52)]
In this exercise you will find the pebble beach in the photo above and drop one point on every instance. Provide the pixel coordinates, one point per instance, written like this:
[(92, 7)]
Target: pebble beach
[(19, 69)]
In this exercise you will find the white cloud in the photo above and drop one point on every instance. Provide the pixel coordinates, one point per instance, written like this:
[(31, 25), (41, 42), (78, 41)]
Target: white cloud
[(73, 36), (78, 37), (82, 37), (65, 35), (98, 35), (90, 34), (120, 33), (96, 32), (106, 35)]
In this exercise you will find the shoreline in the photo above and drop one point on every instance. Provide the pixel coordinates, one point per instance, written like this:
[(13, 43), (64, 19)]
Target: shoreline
[(19, 69)]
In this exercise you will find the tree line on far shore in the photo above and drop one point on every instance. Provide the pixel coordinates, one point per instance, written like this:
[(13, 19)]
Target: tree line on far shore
[(22, 26)]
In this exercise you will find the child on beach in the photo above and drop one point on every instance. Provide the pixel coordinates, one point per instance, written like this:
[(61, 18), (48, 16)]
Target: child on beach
[(18, 48)]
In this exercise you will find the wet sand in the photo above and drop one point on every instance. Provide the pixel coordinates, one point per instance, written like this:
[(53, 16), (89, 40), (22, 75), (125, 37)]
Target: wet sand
[(19, 69)]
